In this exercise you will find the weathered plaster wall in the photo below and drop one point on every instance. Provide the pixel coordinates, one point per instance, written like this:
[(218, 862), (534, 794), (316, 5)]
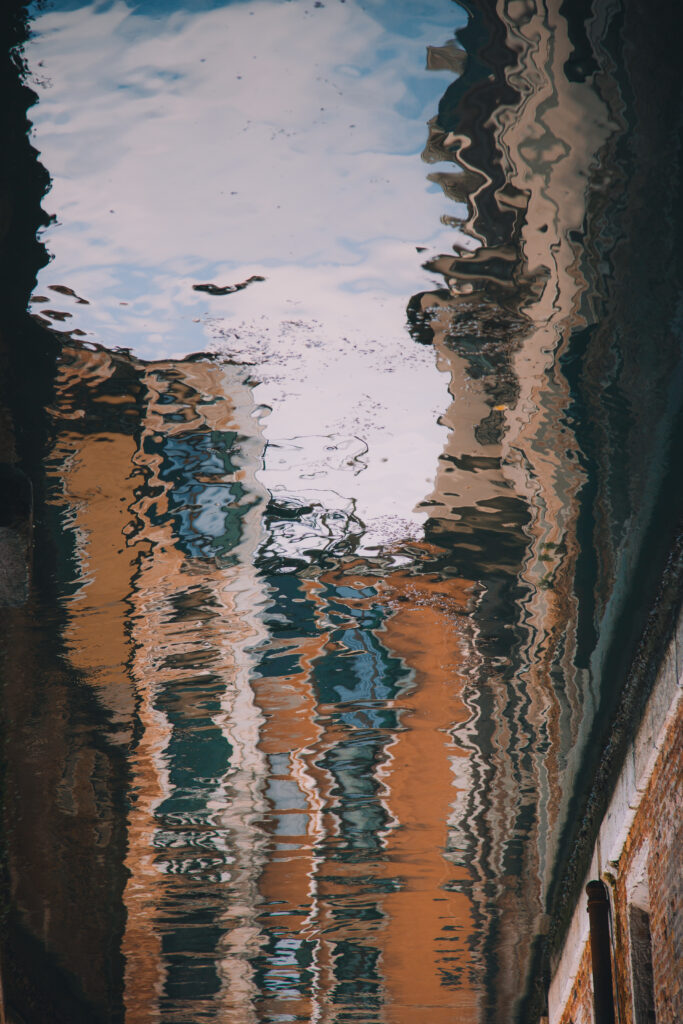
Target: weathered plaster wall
[(643, 824)]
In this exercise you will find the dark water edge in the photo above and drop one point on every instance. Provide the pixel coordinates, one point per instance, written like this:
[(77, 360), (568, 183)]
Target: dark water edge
[(645, 297), (36, 986)]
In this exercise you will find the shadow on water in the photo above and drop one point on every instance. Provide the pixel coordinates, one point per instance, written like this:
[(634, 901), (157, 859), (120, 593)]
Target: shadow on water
[(261, 761)]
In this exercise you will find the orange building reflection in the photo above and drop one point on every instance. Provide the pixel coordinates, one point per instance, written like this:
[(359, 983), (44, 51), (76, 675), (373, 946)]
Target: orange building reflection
[(164, 625), (422, 924)]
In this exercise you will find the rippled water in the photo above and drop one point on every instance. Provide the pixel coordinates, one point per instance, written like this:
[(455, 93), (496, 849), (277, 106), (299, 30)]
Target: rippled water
[(330, 620)]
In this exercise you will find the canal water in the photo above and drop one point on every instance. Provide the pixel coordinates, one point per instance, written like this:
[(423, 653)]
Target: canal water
[(359, 473)]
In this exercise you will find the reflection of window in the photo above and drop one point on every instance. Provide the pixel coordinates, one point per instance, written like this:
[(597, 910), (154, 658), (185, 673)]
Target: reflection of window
[(205, 501), (640, 942)]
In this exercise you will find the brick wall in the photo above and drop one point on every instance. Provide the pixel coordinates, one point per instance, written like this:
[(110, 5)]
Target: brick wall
[(579, 1007), (639, 856), (658, 825)]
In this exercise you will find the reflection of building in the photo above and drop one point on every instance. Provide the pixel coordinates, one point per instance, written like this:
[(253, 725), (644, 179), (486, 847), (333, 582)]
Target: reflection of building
[(426, 945), (364, 898), (290, 813), (530, 325), (240, 795), (164, 519), (505, 493)]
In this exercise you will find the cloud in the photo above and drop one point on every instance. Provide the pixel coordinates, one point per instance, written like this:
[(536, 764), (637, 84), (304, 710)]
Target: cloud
[(263, 138)]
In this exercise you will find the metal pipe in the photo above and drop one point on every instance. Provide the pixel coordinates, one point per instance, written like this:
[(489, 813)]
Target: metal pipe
[(601, 960)]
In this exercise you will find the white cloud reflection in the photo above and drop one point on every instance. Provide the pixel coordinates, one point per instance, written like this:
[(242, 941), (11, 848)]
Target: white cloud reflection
[(269, 138)]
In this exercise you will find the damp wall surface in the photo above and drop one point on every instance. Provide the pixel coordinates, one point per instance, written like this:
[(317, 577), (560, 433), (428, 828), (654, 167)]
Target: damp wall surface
[(171, 684)]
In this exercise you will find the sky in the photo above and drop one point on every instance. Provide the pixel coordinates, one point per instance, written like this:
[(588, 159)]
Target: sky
[(209, 143)]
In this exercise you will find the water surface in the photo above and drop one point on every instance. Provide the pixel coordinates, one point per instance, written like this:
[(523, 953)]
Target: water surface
[(331, 641)]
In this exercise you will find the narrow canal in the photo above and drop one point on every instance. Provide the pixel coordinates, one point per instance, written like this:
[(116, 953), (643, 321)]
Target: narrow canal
[(352, 348)]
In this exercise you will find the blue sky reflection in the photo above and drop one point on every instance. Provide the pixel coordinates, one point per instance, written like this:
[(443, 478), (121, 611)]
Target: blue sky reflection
[(282, 140)]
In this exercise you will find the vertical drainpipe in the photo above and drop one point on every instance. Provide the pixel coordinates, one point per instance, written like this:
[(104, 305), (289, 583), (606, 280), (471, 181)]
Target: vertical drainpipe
[(598, 913)]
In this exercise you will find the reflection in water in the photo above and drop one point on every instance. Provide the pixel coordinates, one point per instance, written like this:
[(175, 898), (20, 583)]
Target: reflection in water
[(310, 759), (296, 762)]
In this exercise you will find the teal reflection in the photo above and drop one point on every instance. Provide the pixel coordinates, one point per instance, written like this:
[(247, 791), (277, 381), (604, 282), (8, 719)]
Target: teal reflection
[(206, 513)]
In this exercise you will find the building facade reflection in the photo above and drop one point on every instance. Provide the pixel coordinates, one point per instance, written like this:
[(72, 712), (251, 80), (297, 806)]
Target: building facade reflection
[(279, 781), (542, 132), (273, 805)]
